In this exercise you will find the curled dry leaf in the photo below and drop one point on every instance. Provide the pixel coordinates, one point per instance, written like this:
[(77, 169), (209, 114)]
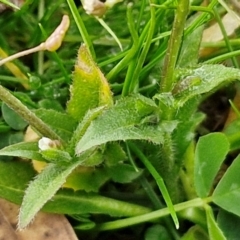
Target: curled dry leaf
[(45, 225)]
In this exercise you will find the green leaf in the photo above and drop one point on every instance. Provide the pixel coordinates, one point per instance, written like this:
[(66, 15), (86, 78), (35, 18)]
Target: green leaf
[(157, 232), (61, 123), (195, 233), (127, 119), (123, 173), (57, 156), (28, 150), (113, 154), (232, 132), (83, 125), (188, 120), (211, 151), (87, 179), (12, 118), (89, 89), (204, 79), (188, 56), (14, 178), (67, 201), (43, 189), (50, 104), (213, 229), (229, 224), (227, 192)]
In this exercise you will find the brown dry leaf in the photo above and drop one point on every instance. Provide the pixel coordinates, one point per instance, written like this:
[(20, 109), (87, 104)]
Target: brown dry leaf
[(213, 34), (45, 225)]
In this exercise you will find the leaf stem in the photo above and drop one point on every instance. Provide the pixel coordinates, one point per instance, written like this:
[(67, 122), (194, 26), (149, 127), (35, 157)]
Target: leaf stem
[(174, 45), (198, 202), (226, 39), (27, 114), (158, 179)]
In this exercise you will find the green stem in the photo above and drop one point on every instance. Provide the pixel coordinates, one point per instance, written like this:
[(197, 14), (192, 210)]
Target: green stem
[(110, 31), (233, 42), (198, 202), (130, 54), (226, 39), (26, 114), (158, 179), (81, 28), (174, 45), (142, 57), (152, 195), (223, 57), (40, 55)]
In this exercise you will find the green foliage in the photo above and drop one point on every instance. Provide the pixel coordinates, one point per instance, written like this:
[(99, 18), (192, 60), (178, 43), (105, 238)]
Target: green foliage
[(210, 153), (24, 149), (127, 119), (12, 118), (106, 143), (226, 194), (229, 224), (213, 229), (90, 89)]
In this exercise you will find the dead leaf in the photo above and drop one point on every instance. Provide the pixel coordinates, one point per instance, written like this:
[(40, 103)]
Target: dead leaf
[(45, 225)]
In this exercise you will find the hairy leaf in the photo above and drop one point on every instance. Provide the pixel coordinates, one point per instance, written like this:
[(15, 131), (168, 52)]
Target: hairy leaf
[(28, 150), (123, 173), (61, 123), (203, 79), (131, 118), (14, 178), (89, 89), (66, 201), (43, 188)]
